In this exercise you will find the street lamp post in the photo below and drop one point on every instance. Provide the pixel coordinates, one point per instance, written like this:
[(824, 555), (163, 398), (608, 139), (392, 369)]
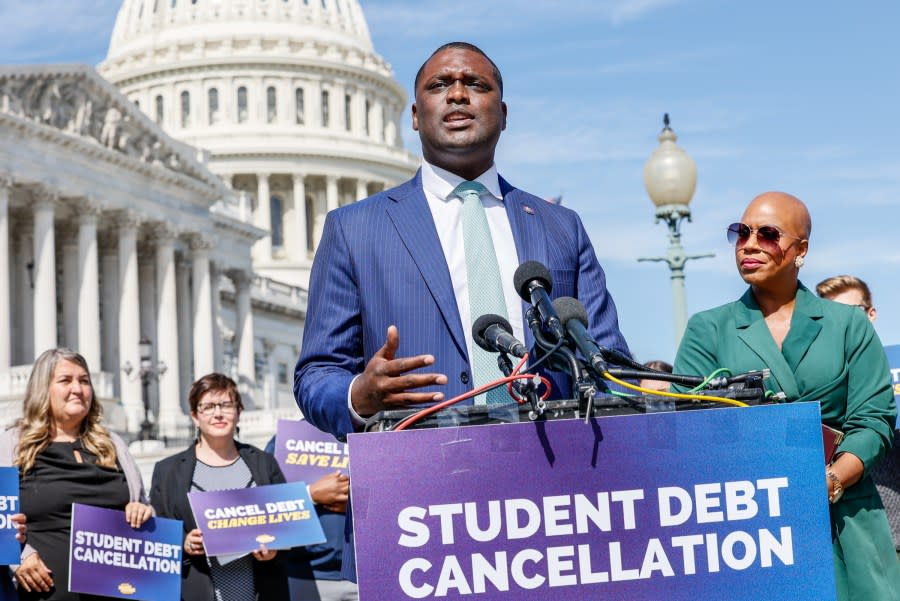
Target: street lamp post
[(146, 352), (670, 177), (146, 371)]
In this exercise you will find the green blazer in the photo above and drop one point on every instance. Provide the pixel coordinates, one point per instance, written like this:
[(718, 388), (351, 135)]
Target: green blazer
[(831, 355)]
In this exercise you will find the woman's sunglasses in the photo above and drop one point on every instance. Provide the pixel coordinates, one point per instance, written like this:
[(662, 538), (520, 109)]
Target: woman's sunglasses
[(767, 236)]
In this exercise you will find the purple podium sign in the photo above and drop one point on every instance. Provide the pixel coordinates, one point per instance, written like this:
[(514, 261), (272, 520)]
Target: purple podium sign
[(110, 558), (305, 453), (9, 506), (713, 504), (279, 516)]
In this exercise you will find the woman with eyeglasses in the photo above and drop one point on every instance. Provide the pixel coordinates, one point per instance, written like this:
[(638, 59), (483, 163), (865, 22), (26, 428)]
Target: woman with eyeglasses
[(216, 461), (816, 351)]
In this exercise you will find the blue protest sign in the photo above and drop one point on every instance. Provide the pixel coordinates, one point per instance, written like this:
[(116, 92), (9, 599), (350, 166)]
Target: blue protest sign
[(9, 506)]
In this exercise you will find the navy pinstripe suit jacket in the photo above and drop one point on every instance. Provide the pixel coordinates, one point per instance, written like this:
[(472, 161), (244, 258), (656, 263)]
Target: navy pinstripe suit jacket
[(380, 263)]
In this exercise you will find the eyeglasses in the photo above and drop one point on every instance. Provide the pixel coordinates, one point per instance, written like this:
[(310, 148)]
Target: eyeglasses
[(767, 236), (210, 408)]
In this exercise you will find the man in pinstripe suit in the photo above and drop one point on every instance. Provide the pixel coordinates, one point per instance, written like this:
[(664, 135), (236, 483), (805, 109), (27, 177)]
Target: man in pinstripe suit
[(393, 264), (390, 265)]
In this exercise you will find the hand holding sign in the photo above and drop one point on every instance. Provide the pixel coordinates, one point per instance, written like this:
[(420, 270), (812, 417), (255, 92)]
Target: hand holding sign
[(193, 542), (136, 513), (331, 492)]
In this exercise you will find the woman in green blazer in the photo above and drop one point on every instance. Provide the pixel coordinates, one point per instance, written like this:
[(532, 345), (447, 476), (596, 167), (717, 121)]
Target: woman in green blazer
[(817, 350)]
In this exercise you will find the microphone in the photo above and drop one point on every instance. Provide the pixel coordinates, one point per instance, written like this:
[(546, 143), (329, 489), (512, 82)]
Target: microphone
[(494, 334), (574, 317), (533, 283)]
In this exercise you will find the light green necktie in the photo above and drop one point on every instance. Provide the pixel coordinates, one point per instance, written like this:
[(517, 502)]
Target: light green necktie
[(485, 287)]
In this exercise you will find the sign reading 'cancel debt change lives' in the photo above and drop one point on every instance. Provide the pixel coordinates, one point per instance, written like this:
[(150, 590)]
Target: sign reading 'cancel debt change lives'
[(681, 505)]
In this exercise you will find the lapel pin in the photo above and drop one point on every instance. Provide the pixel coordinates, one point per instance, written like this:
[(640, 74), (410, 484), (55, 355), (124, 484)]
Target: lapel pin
[(528, 209)]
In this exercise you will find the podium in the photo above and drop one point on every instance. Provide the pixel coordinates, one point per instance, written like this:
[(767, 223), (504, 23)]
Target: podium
[(602, 406), (701, 504)]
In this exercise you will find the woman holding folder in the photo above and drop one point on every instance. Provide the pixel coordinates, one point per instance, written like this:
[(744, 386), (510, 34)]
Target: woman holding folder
[(817, 350), (216, 461)]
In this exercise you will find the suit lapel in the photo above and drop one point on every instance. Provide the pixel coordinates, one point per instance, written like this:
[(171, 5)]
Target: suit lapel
[(528, 234), (805, 327), (752, 330), (414, 223)]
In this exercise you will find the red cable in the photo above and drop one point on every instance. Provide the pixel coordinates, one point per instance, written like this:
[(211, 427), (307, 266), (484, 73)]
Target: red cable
[(408, 421)]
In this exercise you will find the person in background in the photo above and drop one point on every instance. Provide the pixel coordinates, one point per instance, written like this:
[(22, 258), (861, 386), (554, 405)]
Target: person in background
[(817, 351), (216, 461), (314, 571), (660, 385), (850, 290), (663, 404), (65, 455)]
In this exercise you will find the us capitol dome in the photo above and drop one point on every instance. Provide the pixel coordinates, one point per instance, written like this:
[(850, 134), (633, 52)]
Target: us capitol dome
[(287, 99)]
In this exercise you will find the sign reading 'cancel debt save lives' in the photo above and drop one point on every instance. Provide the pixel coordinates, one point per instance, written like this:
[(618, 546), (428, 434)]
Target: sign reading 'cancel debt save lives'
[(683, 505), (305, 453)]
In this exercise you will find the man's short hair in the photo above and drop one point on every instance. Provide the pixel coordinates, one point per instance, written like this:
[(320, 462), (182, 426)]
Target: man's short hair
[(461, 46), (842, 283)]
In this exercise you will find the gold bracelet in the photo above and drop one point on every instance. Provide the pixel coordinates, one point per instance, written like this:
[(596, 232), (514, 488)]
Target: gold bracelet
[(837, 487)]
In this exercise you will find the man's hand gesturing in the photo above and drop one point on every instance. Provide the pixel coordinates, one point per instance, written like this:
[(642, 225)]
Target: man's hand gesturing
[(385, 383)]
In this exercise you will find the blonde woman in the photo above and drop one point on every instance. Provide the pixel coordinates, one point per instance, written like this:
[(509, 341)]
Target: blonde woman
[(64, 456)]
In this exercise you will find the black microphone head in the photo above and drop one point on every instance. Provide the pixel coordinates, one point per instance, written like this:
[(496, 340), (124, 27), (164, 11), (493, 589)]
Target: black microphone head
[(527, 272), (483, 323), (569, 308)]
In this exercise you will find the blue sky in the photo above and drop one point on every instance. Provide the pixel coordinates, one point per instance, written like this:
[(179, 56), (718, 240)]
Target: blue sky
[(797, 96)]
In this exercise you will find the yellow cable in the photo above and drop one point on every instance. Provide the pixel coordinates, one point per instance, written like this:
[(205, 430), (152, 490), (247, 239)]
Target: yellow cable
[(674, 395)]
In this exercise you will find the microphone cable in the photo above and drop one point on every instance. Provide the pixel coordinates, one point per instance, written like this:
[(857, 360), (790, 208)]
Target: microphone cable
[(675, 395), (507, 380)]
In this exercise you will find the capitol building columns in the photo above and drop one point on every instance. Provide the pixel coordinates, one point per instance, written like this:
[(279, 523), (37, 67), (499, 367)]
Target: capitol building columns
[(202, 305), (24, 253), (43, 207), (129, 319), (167, 330), (246, 360), (263, 216), (88, 283), (6, 303), (301, 237)]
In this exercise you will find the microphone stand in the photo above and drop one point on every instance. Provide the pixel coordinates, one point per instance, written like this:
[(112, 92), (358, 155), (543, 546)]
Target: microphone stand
[(524, 387), (584, 387)]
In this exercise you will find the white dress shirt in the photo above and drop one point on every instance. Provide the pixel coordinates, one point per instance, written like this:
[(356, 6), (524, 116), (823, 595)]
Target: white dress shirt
[(446, 208)]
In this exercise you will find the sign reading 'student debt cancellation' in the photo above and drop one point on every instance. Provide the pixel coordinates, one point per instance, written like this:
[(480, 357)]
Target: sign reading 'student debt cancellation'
[(712, 504), (108, 557)]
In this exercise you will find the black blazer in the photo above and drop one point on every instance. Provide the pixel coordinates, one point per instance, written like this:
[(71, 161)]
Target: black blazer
[(168, 495)]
